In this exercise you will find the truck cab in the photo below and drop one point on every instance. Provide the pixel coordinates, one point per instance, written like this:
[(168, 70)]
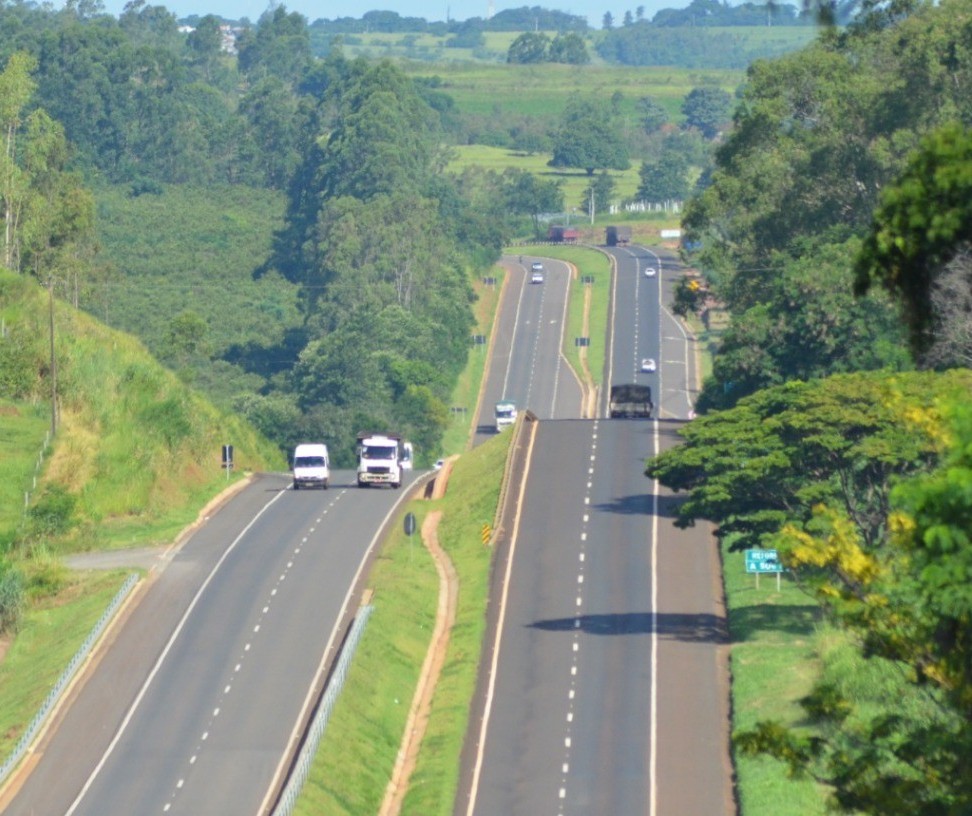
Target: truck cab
[(380, 458), (505, 414)]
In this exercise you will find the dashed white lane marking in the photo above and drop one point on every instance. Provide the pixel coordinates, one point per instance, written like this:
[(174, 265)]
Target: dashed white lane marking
[(577, 631), (227, 688)]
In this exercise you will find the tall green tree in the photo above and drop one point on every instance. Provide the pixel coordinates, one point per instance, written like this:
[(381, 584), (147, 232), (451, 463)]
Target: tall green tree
[(707, 109), (528, 195), (589, 137), (569, 48), (529, 47), (16, 88), (921, 223), (653, 115), (665, 179)]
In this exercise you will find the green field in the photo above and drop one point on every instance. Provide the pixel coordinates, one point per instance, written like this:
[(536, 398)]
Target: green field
[(431, 48), (542, 91)]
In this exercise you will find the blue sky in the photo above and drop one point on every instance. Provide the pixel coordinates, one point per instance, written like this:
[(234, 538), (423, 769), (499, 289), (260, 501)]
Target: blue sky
[(593, 10)]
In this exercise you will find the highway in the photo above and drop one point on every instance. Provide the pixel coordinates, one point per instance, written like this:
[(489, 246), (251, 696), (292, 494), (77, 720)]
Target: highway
[(526, 363), (200, 698), (604, 687)]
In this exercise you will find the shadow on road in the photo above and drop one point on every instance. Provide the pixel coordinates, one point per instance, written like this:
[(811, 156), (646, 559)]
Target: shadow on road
[(689, 628)]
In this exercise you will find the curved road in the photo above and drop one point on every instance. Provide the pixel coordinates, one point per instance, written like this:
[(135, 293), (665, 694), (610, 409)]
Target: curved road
[(200, 695), (526, 363)]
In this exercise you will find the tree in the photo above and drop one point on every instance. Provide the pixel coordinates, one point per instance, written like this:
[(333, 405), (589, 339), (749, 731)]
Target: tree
[(528, 195), (951, 304), (607, 21), (653, 115), (778, 453), (922, 221), (279, 46), (569, 48), (589, 137), (16, 89), (205, 43), (601, 191), (798, 319), (530, 47), (663, 180), (909, 607), (707, 109)]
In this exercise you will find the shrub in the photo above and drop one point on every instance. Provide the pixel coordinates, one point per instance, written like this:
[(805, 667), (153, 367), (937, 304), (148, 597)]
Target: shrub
[(52, 513), (11, 597)]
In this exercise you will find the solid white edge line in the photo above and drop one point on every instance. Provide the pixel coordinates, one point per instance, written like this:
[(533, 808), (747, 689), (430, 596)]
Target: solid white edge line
[(165, 652), (653, 738), (516, 323), (311, 697), (491, 687)]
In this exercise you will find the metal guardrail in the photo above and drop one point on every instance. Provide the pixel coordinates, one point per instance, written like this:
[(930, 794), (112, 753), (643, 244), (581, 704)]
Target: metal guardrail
[(288, 799), (54, 695)]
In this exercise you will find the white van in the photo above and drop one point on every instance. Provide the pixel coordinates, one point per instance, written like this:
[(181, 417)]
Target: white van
[(312, 467)]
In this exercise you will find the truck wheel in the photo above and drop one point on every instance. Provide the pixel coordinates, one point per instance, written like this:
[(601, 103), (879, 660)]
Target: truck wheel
[(296, 486), (396, 485)]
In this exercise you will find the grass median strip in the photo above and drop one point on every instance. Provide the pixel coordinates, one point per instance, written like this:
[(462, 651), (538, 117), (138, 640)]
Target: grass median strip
[(360, 746)]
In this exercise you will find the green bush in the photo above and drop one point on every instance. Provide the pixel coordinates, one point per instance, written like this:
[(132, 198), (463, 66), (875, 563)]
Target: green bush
[(11, 597), (52, 513), (18, 365)]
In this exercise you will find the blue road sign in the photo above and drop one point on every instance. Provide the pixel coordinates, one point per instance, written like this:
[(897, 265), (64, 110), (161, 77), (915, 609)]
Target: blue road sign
[(763, 561)]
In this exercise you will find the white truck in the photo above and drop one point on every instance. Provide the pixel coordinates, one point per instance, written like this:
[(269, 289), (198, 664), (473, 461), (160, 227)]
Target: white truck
[(382, 459), (311, 466), (505, 414)]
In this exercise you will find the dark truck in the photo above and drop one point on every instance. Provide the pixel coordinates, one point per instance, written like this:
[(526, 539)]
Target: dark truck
[(618, 236), (562, 235), (631, 401)]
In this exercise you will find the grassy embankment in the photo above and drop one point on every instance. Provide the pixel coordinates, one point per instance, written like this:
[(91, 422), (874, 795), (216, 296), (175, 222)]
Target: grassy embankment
[(465, 396), (358, 752), (775, 656), (135, 458)]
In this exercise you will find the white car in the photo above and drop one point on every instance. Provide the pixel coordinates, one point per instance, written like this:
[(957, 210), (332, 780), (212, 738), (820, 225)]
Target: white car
[(536, 277), (648, 365), (650, 271), (536, 266)]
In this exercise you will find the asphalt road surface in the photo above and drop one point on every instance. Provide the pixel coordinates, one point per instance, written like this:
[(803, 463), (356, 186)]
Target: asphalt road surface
[(202, 692), (526, 365), (605, 687)]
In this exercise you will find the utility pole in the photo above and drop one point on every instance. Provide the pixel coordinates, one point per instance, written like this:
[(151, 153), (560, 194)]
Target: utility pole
[(50, 291)]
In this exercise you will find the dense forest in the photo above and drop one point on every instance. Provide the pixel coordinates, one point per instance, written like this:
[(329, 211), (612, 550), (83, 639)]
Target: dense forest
[(376, 242), (355, 311)]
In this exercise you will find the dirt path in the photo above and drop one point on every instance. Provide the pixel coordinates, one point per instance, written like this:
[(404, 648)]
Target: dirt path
[(418, 715)]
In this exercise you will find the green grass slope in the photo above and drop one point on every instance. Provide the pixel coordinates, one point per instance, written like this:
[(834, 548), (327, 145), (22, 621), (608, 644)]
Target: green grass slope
[(136, 453), (135, 457)]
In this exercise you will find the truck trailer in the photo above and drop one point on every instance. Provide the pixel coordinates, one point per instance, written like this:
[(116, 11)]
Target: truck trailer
[(631, 401), (618, 235)]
